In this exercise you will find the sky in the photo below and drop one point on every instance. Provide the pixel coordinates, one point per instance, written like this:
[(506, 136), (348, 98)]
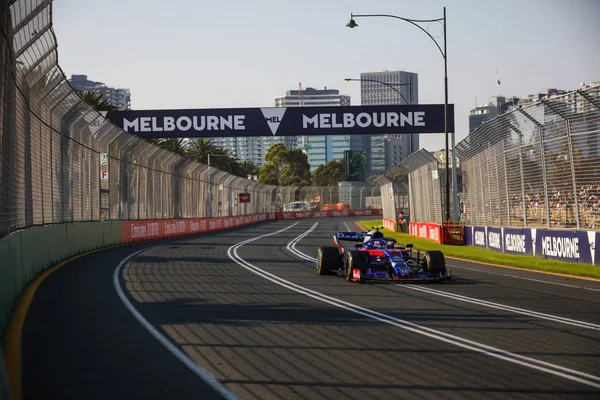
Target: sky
[(238, 53)]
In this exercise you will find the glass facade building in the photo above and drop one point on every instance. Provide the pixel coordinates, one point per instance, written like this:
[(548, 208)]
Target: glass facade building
[(387, 151)]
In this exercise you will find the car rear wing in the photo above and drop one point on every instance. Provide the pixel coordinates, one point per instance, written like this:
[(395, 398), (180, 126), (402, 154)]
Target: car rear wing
[(349, 236)]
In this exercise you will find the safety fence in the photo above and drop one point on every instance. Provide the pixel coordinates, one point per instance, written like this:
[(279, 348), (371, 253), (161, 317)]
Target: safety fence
[(425, 187), (62, 161), (393, 199), (536, 166)]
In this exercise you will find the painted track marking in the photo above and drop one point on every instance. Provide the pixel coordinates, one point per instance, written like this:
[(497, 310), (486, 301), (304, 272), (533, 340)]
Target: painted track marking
[(523, 278), (180, 355), (291, 246), (554, 369)]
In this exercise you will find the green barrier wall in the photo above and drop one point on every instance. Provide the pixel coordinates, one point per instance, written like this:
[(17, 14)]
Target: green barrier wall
[(25, 254)]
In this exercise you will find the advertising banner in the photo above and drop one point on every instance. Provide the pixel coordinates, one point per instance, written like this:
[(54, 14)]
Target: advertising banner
[(133, 231), (293, 121), (494, 239), (517, 241), (244, 197), (389, 224), (469, 235), (425, 230), (573, 246), (565, 245), (479, 236)]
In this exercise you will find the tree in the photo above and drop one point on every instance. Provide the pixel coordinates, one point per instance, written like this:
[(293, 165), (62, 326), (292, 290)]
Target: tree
[(178, 146), (96, 100), (223, 159), (328, 174), (200, 148), (285, 167), (247, 168)]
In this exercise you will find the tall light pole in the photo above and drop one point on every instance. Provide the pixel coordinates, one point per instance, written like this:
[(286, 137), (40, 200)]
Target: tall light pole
[(391, 86), (416, 22)]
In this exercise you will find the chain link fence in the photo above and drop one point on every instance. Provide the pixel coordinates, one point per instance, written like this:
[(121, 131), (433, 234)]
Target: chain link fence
[(61, 161), (425, 183), (393, 198), (536, 166)]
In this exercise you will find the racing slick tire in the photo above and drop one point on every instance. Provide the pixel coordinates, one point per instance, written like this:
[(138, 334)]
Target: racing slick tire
[(328, 258), (356, 260), (434, 262)]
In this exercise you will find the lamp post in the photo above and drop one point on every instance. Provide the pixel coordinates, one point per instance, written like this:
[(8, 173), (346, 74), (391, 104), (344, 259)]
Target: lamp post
[(391, 86), (416, 22)]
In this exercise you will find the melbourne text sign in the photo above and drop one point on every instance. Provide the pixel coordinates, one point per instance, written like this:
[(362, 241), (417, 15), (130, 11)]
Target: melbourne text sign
[(555, 244), (295, 121)]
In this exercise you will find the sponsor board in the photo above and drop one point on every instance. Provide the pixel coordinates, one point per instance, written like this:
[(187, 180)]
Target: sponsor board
[(426, 230), (517, 241), (133, 231), (389, 224), (494, 238), (479, 236), (295, 121), (573, 246), (469, 236), (565, 245)]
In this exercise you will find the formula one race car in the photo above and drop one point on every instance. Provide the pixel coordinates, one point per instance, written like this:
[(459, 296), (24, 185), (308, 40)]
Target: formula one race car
[(379, 258)]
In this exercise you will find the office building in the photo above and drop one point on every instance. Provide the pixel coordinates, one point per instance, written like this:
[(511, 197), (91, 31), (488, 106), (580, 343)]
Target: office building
[(496, 105), (120, 98), (319, 149), (386, 151)]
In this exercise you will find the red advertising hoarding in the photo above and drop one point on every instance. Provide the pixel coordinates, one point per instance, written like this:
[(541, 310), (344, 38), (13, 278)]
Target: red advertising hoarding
[(244, 197), (426, 230)]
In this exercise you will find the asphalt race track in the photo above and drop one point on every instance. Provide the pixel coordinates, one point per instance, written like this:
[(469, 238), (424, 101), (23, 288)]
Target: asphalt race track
[(247, 307)]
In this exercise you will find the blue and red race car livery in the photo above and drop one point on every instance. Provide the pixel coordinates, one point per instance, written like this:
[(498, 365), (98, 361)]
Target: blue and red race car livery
[(376, 257)]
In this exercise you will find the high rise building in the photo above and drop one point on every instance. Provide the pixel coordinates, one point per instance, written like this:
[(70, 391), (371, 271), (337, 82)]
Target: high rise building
[(497, 105), (319, 149), (120, 98), (387, 151)]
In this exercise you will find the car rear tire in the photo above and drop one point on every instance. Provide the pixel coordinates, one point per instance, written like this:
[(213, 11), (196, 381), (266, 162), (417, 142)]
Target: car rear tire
[(328, 258), (434, 262), (356, 260)]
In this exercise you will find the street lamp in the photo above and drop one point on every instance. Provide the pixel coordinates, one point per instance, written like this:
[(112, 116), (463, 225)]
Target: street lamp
[(391, 86), (444, 52)]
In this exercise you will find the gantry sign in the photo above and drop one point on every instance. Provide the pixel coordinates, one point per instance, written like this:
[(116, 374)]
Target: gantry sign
[(293, 121)]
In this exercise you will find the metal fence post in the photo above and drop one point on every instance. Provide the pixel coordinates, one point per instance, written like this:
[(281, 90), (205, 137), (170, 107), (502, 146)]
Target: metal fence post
[(571, 156), (544, 174), (506, 183)]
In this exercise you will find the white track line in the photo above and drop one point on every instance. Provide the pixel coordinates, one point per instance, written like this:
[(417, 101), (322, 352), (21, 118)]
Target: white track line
[(549, 317), (484, 303), (554, 369), (180, 355), (291, 246), (522, 277)]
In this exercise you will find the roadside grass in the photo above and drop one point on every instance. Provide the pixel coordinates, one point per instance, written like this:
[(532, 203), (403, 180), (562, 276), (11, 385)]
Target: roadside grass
[(489, 256)]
